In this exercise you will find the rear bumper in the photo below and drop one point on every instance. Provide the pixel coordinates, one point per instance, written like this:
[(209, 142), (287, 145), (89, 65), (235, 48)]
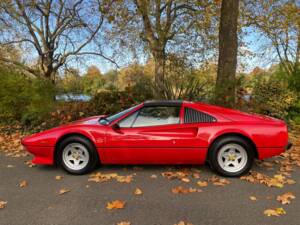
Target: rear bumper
[(264, 153)]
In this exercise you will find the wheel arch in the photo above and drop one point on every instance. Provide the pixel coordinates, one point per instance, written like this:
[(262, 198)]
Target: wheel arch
[(63, 137), (235, 134)]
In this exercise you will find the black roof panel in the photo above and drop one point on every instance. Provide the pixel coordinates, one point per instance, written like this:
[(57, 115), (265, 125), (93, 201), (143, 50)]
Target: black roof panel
[(163, 103)]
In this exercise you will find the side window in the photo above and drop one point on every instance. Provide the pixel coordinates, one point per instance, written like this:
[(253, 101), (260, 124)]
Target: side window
[(194, 116), (157, 115), (128, 121)]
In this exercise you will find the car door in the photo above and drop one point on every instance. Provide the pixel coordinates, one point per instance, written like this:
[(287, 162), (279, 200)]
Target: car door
[(152, 135)]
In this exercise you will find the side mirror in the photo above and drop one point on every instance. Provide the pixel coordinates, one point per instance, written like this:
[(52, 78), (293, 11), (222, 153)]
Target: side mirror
[(115, 127)]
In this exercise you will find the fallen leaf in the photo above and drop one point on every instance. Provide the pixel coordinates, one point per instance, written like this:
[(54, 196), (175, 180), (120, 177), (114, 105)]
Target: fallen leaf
[(117, 204), (100, 177), (2, 204), (274, 212), (196, 175), (266, 164), (58, 177), (138, 191), (23, 184), (124, 223), (185, 179), (285, 198), (182, 190), (202, 183), (290, 181), (253, 198), (175, 175), (124, 179), (10, 166), (153, 176), (277, 180), (63, 191), (30, 164), (219, 181), (183, 223)]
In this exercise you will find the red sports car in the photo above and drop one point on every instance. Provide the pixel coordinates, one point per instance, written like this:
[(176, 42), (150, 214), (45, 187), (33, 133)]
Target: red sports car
[(163, 132)]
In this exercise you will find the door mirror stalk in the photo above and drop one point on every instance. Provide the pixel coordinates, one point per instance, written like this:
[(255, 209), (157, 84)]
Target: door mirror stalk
[(116, 127)]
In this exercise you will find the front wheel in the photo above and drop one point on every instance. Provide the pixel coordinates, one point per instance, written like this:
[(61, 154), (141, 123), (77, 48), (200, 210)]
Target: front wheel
[(231, 156), (77, 155)]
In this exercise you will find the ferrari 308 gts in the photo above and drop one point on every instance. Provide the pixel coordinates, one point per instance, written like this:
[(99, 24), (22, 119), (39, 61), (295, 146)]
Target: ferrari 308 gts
[(163, 132)]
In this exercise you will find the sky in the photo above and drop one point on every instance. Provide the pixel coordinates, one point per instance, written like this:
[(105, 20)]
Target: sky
[(254, 44)]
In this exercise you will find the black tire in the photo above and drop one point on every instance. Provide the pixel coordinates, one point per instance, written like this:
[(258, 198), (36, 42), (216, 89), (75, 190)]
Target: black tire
[(93, 155), (216, 147)]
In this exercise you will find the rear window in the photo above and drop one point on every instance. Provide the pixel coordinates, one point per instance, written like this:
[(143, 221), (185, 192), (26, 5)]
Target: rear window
[(194, 116)]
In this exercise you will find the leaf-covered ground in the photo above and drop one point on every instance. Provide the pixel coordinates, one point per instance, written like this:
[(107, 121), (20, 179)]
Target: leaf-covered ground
[(140, 195)]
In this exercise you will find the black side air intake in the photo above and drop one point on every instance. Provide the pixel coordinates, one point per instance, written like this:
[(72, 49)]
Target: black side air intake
[(194, 116)]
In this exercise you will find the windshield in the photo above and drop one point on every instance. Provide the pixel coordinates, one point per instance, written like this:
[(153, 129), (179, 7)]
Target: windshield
[(109, 119)]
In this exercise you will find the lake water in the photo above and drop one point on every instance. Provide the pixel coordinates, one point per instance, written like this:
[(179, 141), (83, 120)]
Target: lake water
[(73, 98)]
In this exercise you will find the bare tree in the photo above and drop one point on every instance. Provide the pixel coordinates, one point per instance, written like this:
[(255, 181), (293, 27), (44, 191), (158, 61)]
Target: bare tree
[(166, 27), (57, 30), (279, 22), (228, 46)]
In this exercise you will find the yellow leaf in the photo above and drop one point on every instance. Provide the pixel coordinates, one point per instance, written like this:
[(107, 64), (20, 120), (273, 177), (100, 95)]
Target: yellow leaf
[(153, 176), (279, 177), (3, 204), (202, 183), (117, 204), (58, 177), (138, 191), (274, 212), (253, 198), (23, 184), (63, 191), (291, 181)]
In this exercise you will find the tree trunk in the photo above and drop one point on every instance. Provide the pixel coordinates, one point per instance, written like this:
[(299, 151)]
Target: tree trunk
[(47, 68), (228, 45), (161, 89)]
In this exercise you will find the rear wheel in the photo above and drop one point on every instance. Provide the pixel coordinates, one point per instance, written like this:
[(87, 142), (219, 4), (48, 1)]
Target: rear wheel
[(77, 155), (231, 156)]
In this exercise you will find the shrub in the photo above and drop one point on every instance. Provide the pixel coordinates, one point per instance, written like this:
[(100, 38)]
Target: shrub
[(108, 102), (24, 99), (272, 97)]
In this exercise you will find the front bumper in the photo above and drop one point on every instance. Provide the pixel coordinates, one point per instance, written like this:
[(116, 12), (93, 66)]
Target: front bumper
[(42, 154)]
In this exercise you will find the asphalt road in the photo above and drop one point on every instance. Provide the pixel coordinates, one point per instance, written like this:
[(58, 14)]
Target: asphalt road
[(39, 203)]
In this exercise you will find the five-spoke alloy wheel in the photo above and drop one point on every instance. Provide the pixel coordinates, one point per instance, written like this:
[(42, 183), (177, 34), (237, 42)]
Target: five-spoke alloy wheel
[(231, 156), (77, 155)]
